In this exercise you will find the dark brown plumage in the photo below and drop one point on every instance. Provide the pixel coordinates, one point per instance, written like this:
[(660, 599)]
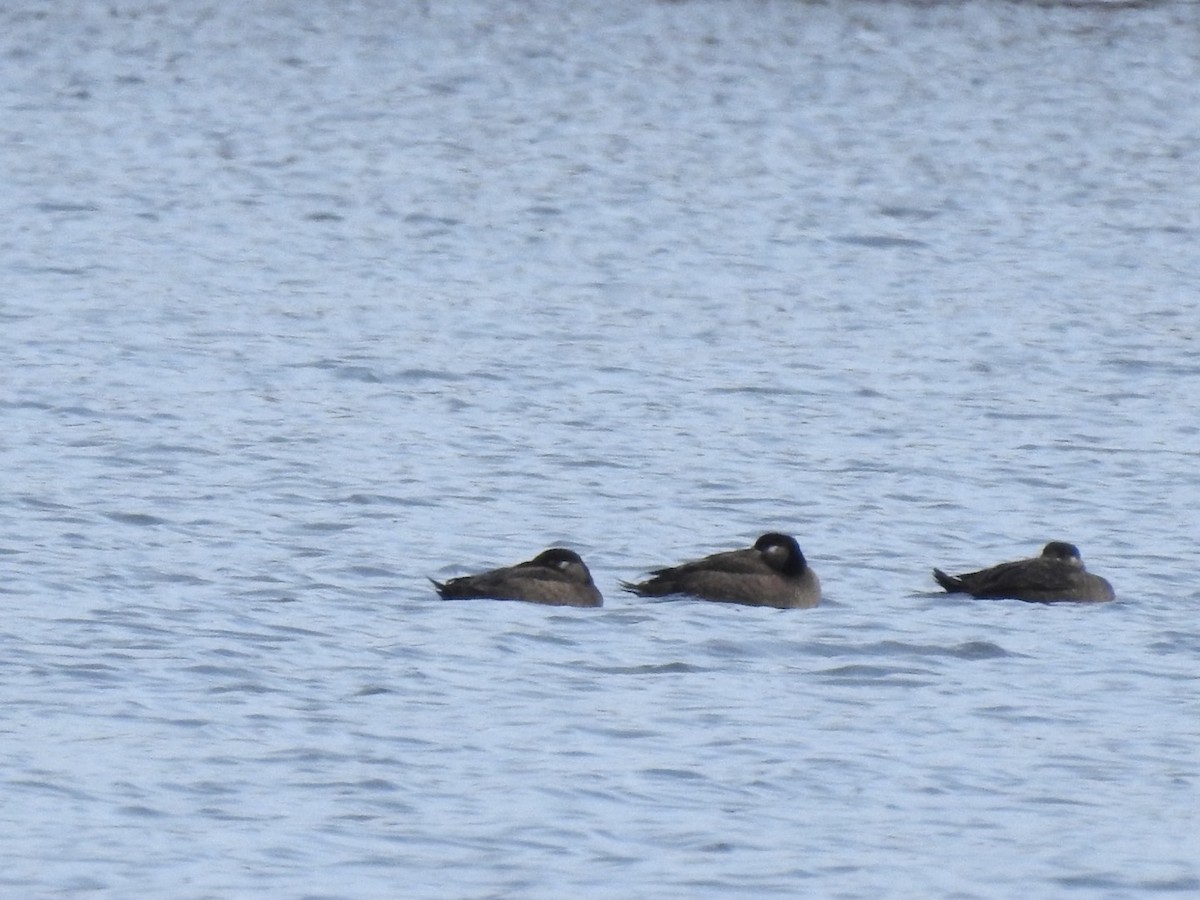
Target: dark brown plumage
[(771, 573), (1057, 576), (555, 577)]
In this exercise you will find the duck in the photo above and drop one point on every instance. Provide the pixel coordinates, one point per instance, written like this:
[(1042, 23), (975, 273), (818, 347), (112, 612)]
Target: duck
[(771, 573), (555, 577), (1057, 576)]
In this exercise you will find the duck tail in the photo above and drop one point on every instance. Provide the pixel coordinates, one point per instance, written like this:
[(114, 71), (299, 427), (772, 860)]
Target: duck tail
[(949, 582)]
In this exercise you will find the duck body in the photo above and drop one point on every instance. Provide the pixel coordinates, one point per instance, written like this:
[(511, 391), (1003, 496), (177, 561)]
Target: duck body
[(1057, 576), (771, 573), (555, 577)]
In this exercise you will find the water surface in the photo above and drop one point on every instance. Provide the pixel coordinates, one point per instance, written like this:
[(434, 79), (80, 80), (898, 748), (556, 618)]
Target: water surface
[(305, 306)]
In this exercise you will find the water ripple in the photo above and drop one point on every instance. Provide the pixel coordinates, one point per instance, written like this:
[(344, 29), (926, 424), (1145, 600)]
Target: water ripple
[(643, 279)]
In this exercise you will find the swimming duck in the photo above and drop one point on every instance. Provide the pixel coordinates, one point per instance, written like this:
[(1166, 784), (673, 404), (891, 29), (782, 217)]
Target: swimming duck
[(1056, 576), (771, 573), (555, 577)]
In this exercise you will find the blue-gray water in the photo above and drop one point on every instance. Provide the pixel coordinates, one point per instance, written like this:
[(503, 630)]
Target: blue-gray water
[(306, 303)]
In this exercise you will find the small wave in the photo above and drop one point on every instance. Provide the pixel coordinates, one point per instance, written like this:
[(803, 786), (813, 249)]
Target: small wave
[(859, 671), (967, 650), (674, 774), (877, 675), (878, 241), (180, 448), (419, 374), (135, 518), (673, 668), (357, 373)]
